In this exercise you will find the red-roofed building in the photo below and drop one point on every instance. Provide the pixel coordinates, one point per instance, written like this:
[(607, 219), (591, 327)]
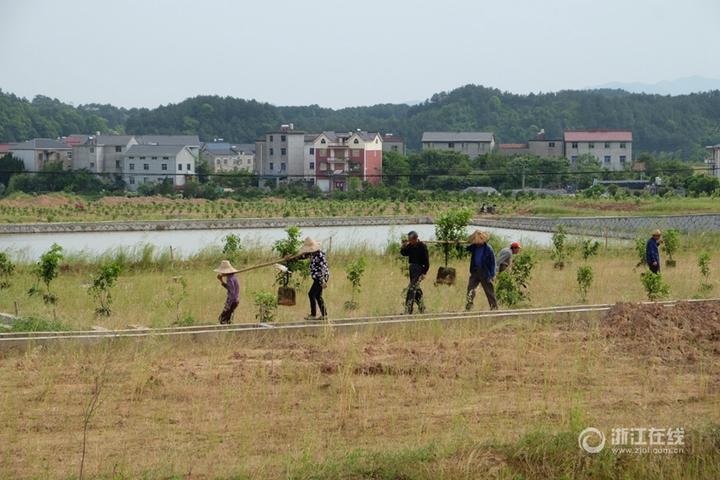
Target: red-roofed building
[(612, 148)]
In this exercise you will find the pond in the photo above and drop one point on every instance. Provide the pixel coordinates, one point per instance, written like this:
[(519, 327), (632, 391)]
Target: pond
[(185, 243)]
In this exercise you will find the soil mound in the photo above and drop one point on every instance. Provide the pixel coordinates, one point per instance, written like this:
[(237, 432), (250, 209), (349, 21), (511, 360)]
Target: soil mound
[(685, 330)]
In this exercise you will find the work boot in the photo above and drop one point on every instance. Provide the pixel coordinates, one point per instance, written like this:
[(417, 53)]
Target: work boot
[(468, 307)]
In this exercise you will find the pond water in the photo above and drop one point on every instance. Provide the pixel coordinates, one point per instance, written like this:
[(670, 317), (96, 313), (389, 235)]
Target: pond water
[(188, 242)]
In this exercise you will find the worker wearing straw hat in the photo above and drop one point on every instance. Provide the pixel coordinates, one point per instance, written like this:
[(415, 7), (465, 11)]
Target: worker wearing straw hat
[(652, 253), (226, 274), (482, 269), (320, 274)]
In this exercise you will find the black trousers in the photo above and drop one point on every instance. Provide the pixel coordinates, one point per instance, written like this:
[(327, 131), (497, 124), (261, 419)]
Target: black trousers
[(476, 279), (227, 313), (316, 300), (654, 268), (414, 292)]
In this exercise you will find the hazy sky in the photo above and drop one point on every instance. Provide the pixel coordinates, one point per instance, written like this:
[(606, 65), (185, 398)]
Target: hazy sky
[(334, 53)]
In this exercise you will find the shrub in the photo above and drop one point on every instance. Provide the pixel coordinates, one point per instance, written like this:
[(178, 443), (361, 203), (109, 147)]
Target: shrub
[(232, 246), (589, 248), (36, 324), (266, 304), (640, 245), (288, 247), (355, 272), (704, 264), (450, 227), (584, 280), (103, 280), (670, 244), (7, 268), (559, 249), (45, 271), (655, 286), (511, 285)]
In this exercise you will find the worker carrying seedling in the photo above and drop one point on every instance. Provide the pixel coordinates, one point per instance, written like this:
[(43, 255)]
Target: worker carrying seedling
[(419, 264), (226, 275), (652, 252), (482, 269), (320, 274), (505, 256)]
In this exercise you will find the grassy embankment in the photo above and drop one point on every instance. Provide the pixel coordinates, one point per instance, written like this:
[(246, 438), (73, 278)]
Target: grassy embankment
[(147, 294), (21, 208)]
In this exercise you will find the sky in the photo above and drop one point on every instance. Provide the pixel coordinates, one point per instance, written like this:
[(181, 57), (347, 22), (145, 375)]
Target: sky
[(144, 53)]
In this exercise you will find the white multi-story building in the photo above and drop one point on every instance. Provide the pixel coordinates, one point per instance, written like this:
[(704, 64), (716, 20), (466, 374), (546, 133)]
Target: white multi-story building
[(714, 159), (102, 153), (612, 148), (225, 157), (156, 163), (471, 144)]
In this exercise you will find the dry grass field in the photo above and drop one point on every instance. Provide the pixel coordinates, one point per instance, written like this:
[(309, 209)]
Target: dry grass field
[(470, 400)]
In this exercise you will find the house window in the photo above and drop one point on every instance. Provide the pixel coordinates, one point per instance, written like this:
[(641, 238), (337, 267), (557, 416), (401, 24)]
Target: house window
[(323, 141), (131, 158), (179, 166), (282, 138), (312, 165), (356, 141), (225, 161), (92, 150), (591, 145), (607, 145), (132, 180), (271, 138), (272, 166), (451, 145), (117, 163), (146, 166), (132, 166), (118, 149), (551, 144), (283, 151), (394, 148), (623, 159), (188, 167), (622, 145), (312, 151), (164, 166), (166, 158), (272, 151), (92, 164), (142, 158), (323, 152), (282, 166), (574, 159), (574, 145), (154, 158), (607, 159), (356, 153)]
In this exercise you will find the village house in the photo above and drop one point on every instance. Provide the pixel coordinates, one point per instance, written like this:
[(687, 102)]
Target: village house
[(714, 159), (281, 154), (225, 157), (38, 152), (339, 157), (472, 144), (102, 153), (612, 148), (156, 163), (393, 143)]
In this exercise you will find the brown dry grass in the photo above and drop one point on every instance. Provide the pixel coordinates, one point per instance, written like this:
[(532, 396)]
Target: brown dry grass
[(264, 406)]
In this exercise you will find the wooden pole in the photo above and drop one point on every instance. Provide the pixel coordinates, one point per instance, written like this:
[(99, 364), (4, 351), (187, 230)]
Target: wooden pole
[(268, 264)]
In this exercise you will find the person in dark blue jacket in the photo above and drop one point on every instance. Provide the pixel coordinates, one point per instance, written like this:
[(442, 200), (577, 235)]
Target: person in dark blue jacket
[(652, 253), (482, 269)]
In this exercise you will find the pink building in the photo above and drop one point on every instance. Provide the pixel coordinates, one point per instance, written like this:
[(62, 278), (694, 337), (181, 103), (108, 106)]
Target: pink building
[(339, 157)]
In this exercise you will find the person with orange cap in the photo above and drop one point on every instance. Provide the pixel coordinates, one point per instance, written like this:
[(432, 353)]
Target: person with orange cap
[(504, 257)]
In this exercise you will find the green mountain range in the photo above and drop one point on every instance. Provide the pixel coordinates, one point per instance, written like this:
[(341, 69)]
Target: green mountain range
[(679, 125)]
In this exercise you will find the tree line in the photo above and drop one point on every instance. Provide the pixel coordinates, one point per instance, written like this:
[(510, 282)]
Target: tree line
[(679, 126)]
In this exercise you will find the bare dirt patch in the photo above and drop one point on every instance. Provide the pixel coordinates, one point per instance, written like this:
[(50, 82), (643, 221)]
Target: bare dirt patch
[(684, 331), (40, 201)]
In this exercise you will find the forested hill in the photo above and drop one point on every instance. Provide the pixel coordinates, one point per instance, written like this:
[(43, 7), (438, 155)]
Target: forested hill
[(682, 124)]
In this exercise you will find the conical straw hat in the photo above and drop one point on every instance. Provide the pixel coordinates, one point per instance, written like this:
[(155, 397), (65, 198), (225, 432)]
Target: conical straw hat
[(310, 246), (226, 268), (479, 237)]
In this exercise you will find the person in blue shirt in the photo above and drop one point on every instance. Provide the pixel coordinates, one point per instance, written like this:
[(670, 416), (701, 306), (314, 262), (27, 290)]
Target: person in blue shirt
[(652, 253), (482, 269)]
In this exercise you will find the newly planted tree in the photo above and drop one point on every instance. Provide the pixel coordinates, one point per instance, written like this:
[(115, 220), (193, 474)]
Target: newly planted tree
[(584, 277), (450, 228), (266, 304), (655, 286), (559, 249), (232, 247), (46, 270), (704, 264), (177, 292), (512, 285), (7, 268), (288, 248), (102, 282), (355, 272), (670, 244), (640, 250)]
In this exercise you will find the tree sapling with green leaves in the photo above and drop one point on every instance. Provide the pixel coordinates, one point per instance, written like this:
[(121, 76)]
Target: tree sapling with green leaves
[(7, 268), (232, 247), (46, 270), (512, 285), (655, 286), (103, 280), (266, 304), (288, 248), (704, 264), (355, 272), (585, 275), (450, 228), (670, 244), (559, 249)]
